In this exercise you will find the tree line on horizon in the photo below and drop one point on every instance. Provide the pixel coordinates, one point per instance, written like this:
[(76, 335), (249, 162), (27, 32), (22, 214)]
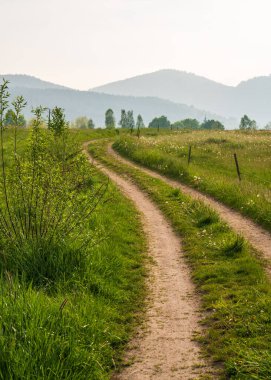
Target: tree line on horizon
[(127, 121)]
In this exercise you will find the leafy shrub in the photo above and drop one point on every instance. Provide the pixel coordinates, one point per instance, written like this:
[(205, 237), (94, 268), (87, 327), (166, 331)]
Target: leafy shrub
[(46, 197)]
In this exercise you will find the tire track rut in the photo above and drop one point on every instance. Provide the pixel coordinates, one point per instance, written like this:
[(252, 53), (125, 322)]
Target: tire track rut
[(163, 348), (259, 238)]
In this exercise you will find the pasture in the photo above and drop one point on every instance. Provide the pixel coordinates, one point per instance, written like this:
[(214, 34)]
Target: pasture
[(212, 166)]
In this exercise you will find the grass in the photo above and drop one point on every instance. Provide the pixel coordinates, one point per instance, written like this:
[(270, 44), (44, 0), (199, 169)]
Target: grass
[(229, 275), (212, 167), (67, 313)]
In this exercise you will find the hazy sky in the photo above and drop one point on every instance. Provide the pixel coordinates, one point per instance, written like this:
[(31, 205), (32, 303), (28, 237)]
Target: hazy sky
[(84, 43)]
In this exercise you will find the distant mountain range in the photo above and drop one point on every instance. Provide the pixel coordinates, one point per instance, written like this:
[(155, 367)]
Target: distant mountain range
[(173, 93), (252, 97), (94, 104), (27, 81)]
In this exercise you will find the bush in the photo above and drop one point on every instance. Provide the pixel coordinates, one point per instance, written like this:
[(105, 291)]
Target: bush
[(46, 197)]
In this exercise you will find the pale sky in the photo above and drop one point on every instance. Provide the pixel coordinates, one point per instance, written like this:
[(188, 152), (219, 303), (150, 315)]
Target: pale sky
[(85, 43)]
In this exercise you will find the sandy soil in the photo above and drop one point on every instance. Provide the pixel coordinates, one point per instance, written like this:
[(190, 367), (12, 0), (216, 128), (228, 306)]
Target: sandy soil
[(163, 347), (257, 236)]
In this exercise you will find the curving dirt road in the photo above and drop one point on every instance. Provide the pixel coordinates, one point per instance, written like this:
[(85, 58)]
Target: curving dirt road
[(164, 347), (255, 235)]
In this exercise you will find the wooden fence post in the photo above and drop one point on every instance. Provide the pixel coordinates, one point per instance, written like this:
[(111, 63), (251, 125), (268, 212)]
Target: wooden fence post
[(237, 166), (189, 154)]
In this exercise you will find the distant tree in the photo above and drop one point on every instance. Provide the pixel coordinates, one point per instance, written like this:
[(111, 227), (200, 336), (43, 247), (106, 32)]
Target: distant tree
[(244, 122), (160, 122), (109, 119), (22, 121), (253, 125), (91, 124), (191, 124), (80, 122), (177, 125), (212, 125), (130, 121), (268, 126), (57, 122), (139, 124), (186, 124), (123, 119), (83, 122), (11, 119), (247, 124)]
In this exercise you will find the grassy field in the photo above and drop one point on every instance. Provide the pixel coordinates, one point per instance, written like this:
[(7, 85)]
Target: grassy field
[(67, 308), (67, 313), (230, 277), (212, 167)]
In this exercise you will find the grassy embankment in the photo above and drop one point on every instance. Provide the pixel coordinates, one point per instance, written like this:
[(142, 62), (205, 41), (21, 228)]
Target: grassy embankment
[(212, 167), (67, 309), (229, 276)]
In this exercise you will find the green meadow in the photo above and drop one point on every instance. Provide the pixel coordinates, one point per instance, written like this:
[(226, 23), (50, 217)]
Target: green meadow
[(212, 168)]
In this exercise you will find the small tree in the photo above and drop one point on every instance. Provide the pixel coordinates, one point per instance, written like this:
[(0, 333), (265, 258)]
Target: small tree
[(253, 125), (83, 122), (247, 124), (12, 118), (109, 119), (186, 124), (90, 124), (130, 121), (123, 119), (57, 122), (160, 122), (212, 125), (268, 126), (139, 124), (9, 118)]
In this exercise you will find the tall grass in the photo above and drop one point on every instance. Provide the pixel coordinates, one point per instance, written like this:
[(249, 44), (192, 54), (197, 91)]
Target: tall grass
[(82, 338), (212, 167)]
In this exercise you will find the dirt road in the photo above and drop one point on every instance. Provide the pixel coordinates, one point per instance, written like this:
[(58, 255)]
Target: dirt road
[(164, 347), (257, 236)]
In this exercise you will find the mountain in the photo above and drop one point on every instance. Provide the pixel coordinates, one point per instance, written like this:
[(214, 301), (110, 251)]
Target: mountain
[(93, 104), (173, 85), (252, 97), (27, 81)]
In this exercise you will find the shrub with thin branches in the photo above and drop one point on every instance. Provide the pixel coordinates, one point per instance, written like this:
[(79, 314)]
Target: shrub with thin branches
[(46, 197)]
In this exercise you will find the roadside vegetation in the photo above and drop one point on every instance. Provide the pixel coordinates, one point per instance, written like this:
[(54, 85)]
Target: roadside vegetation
[(71, 255), (230, 277), (211, 167), (72, 248)]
